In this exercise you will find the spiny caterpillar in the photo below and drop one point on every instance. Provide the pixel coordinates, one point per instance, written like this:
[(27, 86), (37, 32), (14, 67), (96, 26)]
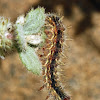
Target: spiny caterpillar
[(38, 38), (49, 55)]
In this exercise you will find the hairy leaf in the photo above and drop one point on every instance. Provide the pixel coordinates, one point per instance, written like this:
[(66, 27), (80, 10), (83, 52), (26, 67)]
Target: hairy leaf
[(34, 20), (31, 60)]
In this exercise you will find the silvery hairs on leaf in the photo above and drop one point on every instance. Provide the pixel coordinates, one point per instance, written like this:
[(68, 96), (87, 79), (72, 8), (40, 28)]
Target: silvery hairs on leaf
[(20, 37), (29, 31), (34, 20), (31, 60)]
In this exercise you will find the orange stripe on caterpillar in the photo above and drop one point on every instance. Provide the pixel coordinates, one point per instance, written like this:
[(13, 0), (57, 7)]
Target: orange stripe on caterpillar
[(51, 49)]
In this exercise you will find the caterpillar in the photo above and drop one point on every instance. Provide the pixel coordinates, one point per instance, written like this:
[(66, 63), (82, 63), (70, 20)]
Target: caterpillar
[(49, 55)]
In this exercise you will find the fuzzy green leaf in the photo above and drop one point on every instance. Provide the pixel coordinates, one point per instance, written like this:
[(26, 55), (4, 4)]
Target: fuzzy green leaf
[(34, 20), (31, 60), (20, 36)]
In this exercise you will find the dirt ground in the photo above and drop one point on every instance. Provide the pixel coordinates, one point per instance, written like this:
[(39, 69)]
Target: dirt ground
[(81, 73)]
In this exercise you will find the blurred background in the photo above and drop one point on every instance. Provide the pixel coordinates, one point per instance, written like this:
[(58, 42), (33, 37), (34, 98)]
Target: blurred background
[(81, 73)]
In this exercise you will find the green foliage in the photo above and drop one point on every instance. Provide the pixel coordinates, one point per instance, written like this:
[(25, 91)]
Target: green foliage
[(29, 28), (34, 20), (31, 60), (20, 37)]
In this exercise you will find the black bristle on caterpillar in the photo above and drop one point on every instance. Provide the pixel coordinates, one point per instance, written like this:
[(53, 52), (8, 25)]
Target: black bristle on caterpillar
[(54, 43)]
